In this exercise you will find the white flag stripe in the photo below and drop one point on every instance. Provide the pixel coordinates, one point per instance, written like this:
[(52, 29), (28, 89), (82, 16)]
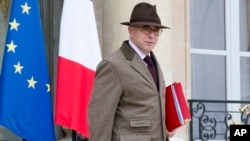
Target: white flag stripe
[(79, 40)]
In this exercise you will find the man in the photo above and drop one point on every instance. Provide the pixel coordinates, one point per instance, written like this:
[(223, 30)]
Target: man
[(127, 102)]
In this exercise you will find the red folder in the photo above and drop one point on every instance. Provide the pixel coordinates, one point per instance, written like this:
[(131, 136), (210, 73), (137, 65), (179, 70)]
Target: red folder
[(177, 111)]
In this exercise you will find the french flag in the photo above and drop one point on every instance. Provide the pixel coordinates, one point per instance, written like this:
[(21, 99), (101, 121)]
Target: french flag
[(79, 54)]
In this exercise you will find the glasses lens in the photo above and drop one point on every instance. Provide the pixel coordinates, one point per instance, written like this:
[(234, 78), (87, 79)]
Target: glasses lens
[(147, 30)]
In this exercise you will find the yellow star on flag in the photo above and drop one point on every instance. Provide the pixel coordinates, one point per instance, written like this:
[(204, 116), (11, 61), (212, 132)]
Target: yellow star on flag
[(31, 82), (25, 8), (11, 46), (48, 87), (18, 68), (14, 25)]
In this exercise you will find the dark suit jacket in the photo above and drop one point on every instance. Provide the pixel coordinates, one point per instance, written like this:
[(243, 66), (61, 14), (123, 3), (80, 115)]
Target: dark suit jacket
[(125, 104)]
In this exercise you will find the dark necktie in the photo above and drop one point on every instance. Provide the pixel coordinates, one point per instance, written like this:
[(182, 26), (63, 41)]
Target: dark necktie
[(152, 69)]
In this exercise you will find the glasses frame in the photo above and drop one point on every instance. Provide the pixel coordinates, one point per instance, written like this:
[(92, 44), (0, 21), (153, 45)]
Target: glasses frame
[(147, 30)]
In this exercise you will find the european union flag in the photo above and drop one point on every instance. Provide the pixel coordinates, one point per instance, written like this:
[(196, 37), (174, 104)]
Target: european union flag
[(25, 99)]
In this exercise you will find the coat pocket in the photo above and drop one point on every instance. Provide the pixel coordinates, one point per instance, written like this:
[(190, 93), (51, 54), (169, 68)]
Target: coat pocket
[(135, 138), (140, 123)]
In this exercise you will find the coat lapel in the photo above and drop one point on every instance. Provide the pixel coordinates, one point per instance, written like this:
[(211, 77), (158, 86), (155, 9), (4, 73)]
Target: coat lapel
[(160, 77), (137, 63)]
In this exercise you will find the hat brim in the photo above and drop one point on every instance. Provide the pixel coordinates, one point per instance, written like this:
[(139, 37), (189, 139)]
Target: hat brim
[(144, 23)]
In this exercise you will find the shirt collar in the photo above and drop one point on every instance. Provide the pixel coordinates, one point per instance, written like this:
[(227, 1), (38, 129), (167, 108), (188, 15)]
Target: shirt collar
[(137, 50)]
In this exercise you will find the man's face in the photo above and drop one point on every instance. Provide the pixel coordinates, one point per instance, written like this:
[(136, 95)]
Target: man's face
[(144, 37)]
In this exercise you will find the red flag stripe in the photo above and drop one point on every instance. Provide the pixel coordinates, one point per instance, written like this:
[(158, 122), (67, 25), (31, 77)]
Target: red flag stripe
[(75, 93)]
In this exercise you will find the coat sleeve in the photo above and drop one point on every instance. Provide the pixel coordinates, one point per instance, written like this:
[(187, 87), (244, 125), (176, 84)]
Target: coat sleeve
[(104, 100)]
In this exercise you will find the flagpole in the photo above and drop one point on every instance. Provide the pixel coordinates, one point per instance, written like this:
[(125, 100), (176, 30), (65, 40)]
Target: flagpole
[(73, 135), (77, 137)]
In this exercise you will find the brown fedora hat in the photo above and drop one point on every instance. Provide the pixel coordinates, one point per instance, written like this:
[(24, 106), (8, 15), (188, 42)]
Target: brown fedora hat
[(144, 14)]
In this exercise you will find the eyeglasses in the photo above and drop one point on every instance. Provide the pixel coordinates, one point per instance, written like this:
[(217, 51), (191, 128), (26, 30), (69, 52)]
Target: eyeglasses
[(147, 30)]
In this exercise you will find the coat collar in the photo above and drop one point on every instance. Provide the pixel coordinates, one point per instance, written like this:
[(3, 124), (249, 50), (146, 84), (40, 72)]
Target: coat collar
[(127, 51)]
